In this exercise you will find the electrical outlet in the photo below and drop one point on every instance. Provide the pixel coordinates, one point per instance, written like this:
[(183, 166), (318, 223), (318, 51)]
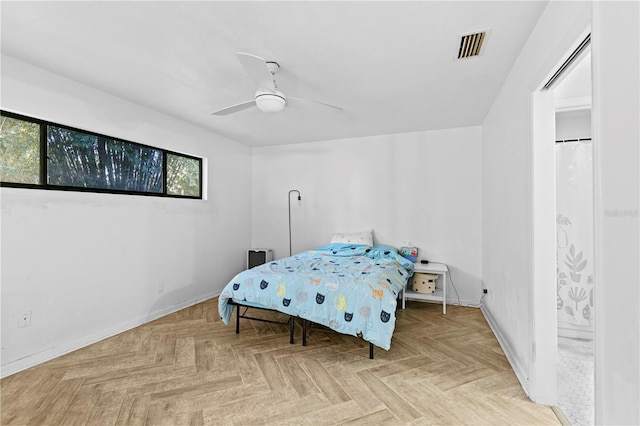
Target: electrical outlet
[(485, 291), (24, 320)]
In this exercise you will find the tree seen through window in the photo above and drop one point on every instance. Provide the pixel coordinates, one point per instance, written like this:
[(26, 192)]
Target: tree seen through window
[(91, 161), (19, 151)]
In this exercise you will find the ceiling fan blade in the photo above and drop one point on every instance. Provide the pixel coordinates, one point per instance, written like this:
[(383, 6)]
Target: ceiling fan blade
[(235, 108), (312, 101), (258, 70)]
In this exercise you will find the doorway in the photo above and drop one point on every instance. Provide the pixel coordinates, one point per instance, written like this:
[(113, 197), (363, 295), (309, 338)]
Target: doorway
[(575, 243), (557, 94)]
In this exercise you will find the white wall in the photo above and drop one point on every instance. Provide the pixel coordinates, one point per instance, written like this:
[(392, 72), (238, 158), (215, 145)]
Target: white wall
[(573, 124), (616, 116), (508, 193), (91, 265), (422, 188)]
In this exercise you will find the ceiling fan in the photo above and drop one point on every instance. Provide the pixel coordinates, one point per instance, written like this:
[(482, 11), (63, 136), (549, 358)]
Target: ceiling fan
[(268, 98)]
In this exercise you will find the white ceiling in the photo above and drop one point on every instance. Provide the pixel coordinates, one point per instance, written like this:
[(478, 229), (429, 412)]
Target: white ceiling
[(389, 64)]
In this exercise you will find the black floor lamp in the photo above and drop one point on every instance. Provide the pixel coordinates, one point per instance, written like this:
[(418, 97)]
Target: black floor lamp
[(299, 203)]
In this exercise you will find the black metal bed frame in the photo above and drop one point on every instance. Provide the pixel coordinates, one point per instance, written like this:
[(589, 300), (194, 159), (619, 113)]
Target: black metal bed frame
[(244, 315), (290, 322)]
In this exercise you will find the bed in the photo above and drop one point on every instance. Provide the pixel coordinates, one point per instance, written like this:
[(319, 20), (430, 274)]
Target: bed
[(348, 288)]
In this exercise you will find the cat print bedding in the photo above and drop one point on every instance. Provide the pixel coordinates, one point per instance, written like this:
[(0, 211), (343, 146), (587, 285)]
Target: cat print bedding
[(349, 288)]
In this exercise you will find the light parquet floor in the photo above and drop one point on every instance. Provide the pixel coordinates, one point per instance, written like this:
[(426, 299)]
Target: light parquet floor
[(188, 368)]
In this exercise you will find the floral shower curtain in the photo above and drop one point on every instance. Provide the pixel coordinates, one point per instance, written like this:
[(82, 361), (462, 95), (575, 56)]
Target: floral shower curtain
[(574, 221)]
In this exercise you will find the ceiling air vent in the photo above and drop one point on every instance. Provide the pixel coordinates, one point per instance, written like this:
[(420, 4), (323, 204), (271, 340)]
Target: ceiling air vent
[(470, 44)]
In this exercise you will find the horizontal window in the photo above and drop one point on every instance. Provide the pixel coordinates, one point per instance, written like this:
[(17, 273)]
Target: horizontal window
[(86, 161)]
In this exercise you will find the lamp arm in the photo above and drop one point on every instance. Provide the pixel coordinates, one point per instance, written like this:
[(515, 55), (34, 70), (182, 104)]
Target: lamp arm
[(289, 200)]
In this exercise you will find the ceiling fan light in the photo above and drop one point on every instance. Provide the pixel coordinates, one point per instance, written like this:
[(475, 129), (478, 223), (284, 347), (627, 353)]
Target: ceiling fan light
[(270, 102)]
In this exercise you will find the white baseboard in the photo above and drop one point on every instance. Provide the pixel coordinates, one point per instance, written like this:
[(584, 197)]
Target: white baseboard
[(40, 357), (464, 302), (450, 302), (508, 351)]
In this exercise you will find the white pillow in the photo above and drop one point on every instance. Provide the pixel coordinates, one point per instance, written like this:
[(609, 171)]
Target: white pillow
[(364, 237)]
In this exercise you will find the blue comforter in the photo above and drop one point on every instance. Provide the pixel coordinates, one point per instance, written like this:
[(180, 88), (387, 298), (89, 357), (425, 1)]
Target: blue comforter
[(349, 288)]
